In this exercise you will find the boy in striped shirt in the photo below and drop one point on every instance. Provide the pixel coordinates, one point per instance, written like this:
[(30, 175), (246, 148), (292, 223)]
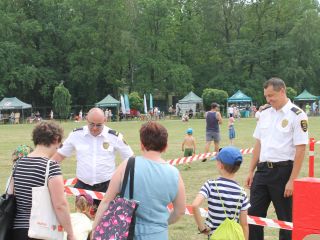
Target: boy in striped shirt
[(226, 199)]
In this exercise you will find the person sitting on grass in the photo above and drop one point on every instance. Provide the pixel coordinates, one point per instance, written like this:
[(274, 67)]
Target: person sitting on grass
[(189, 145), (226, 199)]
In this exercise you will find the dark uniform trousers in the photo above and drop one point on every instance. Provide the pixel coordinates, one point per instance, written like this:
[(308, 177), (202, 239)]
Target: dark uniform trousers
[(268, 185), (99, 187)]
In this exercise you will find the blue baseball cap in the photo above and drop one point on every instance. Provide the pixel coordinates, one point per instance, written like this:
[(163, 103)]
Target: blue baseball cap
[(189, 131), (230, 156)]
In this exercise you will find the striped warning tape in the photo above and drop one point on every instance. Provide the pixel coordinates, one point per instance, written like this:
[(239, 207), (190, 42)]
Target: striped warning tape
[(189, 211), (70, 181), (201, 156), (265, 222)]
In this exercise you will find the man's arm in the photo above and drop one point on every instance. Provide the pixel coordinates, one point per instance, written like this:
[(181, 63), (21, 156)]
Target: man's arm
[(254, 162), (58, 157), (219, 118), (297, 164)]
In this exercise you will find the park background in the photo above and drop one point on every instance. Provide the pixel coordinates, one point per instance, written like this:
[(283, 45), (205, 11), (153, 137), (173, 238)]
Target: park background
[(163, 47), (13, 135)]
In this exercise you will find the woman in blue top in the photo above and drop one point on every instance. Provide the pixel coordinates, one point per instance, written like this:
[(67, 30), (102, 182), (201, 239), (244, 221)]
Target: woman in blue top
[(156, 184)]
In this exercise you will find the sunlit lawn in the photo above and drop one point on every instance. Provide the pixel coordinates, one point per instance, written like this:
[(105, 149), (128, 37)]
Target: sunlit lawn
[(13, 135)]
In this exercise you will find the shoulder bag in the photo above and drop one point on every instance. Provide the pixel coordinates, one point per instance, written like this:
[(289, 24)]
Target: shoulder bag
[(43, 220), (7, 210), (118, 221)]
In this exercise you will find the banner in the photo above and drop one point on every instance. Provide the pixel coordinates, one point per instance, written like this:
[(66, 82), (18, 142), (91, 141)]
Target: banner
[(151, 102), (145, 104), (126, 101), (123, 107)]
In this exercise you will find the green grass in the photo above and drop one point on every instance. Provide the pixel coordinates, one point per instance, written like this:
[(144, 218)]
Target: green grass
[(13, 135)]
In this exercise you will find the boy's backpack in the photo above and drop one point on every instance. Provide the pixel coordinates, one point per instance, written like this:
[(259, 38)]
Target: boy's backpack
[(229, 229)]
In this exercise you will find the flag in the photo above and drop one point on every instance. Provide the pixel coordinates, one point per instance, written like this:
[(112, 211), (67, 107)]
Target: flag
[(126, 101), (145, 104), (123, 107), (151, 102)]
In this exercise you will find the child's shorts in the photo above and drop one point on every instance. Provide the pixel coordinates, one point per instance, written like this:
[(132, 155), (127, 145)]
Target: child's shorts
[(188, 152), (232, 132)]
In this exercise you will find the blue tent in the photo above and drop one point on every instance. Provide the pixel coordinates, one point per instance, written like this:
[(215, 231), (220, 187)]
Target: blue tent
[(239, 97)]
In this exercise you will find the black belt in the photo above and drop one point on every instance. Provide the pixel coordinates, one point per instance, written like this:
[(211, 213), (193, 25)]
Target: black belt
[(275, 164)]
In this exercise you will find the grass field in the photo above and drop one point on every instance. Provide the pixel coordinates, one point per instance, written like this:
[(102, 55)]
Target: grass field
[(13, 135)]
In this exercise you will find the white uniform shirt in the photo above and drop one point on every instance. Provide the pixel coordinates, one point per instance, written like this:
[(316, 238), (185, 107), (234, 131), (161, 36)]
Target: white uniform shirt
[(95, 155), (280, 131)]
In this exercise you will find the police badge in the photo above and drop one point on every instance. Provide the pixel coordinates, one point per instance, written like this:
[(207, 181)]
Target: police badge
[(284, 123), (106, 145)]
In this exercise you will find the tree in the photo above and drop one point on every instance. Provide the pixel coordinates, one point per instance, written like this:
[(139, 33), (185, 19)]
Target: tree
[(291, 93), (61, 101), (211, 95), (135, 101)]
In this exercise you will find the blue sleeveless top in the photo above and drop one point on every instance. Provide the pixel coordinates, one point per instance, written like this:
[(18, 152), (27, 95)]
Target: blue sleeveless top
[(155, 186), (212, 122)]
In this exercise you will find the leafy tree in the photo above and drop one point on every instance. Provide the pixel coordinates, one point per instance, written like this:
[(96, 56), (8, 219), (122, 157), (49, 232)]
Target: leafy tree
[(61, 101), (291, 93), (211, 95), (135, 101)]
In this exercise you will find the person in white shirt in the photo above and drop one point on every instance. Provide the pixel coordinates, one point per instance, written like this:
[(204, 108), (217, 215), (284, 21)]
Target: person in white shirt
[(96, 146), (230, 111), (281, 137)]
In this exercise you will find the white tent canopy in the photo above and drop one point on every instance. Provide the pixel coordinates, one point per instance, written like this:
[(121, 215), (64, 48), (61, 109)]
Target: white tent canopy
[(190, 101)]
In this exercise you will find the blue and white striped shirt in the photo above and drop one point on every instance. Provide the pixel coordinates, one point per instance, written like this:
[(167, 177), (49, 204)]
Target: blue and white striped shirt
[(233, 197)]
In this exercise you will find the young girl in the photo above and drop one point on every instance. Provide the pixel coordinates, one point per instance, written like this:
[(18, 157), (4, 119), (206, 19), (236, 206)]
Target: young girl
[(232, 132), (81, 219)]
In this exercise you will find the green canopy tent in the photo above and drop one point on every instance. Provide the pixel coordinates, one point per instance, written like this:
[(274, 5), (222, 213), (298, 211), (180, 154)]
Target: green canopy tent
[(109, 102), (305, 98), (14, 103), (190, 101), (239, 98)]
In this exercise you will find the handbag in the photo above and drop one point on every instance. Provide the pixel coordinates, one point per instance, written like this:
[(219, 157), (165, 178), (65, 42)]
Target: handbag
[(7, 211), (118, 221), (43, 221)]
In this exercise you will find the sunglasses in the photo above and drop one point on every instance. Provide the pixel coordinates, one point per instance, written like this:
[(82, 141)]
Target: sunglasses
[(97, 125)]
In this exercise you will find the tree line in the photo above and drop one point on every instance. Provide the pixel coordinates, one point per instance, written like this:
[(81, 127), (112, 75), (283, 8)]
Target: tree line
[(163, 47)]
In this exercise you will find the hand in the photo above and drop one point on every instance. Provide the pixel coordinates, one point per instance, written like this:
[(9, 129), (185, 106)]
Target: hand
[(288, 189), (71, 237), (249, 180), (206, 230)]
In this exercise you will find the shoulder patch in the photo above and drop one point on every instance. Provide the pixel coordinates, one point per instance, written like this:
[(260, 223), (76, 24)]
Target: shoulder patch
[(296, 110), (266, 107), (113, 132), (77, 129)]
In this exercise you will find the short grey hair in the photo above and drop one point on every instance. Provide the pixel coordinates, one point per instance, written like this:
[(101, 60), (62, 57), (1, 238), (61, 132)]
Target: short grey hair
[(276, 83)]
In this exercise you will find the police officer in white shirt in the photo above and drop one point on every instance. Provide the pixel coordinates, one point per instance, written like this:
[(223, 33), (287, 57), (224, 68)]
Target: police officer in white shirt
[(96, 146), (281, 139)]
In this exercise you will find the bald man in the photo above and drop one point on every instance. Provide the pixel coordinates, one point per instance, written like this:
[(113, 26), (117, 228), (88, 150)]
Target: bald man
[(96, 146)]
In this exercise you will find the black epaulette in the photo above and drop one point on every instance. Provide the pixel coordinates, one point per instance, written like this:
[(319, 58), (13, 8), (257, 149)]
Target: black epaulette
[(77, 129), (269, 106), (296, 110), (111, 131)]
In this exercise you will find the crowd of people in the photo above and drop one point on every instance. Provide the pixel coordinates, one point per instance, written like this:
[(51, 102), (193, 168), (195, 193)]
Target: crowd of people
[(281, 137)]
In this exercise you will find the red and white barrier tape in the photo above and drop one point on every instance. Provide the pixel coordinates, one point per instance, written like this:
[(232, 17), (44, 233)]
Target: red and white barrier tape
[(70, 181), (201, 156), (251, 219)]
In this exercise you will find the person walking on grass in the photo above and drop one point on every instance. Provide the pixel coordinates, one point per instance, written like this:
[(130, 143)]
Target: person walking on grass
[(213, 120), (189, 145), (232, 131)]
